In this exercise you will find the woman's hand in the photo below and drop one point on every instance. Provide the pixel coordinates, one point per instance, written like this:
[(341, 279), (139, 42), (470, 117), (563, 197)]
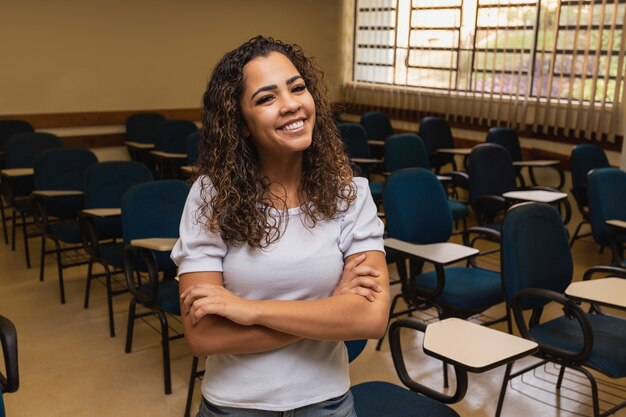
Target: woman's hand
[(358, 279), (201, 300)]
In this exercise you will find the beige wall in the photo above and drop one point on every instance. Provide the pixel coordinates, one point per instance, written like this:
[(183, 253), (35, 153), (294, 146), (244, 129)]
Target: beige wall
[(106, 55)]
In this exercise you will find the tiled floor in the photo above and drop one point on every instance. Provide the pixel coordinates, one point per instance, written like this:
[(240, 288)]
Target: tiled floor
[(69, 366)]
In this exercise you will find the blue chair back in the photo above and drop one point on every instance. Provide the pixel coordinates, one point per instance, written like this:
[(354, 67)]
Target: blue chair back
[(354, 138), (436, 134), (507, 138), (154, 209), (606, 191), (192, 146), (377, 125), (63, 168), (142, 127), (107, 182), (491, 172), (583, 159), (12, 127), (416, 207), (171, 135), (535, 251), (405, 150), (23, 148)]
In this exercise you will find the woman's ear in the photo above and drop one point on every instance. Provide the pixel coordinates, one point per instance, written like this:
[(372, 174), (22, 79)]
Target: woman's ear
[(246, 132)]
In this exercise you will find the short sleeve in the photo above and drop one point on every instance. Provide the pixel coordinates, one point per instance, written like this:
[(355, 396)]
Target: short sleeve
[(197, 249), (361, 228)]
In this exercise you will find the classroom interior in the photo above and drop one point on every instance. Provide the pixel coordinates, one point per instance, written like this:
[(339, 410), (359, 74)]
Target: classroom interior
[(78, 71)]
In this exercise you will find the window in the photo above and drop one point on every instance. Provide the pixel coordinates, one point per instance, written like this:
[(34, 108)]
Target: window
[(545, 49)]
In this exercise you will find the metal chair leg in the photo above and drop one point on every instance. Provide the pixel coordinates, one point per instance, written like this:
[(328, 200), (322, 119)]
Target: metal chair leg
[(165, 345), (505, 383), (560, 379), (131, 323), (25, 234), (107, 274), (60, 271), (88, 285), (43, 257)]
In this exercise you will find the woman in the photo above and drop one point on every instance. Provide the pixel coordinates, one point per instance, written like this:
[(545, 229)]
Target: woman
[(280, 253)]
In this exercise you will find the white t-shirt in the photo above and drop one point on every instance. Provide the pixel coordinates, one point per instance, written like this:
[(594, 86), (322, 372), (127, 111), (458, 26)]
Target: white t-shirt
[(304, 264)]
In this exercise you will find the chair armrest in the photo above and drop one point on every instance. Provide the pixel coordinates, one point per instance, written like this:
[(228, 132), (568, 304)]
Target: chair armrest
[(614, 271), (8, 338), (570, 309), (480, 232), (89, 235), (400, 365), (132, 255)]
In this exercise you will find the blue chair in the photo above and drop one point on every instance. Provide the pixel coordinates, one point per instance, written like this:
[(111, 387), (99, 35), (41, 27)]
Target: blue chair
[(537, 267), (9, 128), (105, 185), (437, 134), (507, 138), (379, 398), (491, 174), (152, 210), (192, 147), (11, 381), (171, 139), (21, 151), (417, 212), (378, 128), (141, 128), (354, 138), (583, 159), (407, 150), (56, 217), (607, 201)]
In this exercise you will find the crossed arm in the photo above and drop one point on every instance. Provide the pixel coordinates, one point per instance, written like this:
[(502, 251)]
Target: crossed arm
[(217, 321)]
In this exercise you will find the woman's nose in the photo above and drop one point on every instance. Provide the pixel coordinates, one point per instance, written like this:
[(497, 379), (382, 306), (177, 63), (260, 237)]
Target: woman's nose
[(290, 104)]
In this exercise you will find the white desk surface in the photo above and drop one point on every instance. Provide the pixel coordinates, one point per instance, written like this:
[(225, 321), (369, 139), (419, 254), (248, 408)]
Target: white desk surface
[(537, 163), (57, 193), (189, 169), (139, 145), (608, 291), (17, 172), (617, 223), (103, 212), (474, 347), (366, 160), (439, 253), (376, 142), (444, 178), (539, 196), (155, 243), (169, 155), (455, 151)]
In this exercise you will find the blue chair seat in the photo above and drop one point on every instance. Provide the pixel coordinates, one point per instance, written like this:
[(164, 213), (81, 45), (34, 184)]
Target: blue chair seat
[(466, 288), (459, 210), (66, 231), (383, 399), (376, 188), (609, 339), (167, 295)]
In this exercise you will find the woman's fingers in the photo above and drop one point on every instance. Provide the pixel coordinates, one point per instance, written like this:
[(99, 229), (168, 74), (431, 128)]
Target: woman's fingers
[(356, 261)]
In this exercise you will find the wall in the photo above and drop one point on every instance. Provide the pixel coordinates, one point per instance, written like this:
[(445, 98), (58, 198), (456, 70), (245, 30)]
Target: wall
[(112, 55)]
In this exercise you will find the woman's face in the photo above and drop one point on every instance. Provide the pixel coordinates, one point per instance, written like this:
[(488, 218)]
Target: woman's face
[(278, 110)]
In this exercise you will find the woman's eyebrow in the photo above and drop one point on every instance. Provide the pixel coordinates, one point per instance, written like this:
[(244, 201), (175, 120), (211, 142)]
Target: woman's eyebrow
[(274, 86)]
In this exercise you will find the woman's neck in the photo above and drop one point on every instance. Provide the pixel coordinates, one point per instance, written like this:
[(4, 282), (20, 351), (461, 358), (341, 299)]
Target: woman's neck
[(284, 176)]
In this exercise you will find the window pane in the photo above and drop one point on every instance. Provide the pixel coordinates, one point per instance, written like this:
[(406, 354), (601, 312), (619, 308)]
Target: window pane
[(430, 78), (436, 3), (373, 74), (375, 56), (375, 37), (518, 39), (439, 59), (434, 38), (502, 61), (446, 18)]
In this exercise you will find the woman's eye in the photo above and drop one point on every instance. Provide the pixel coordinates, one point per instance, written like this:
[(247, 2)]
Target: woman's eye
[(264, 99), (299, 88)]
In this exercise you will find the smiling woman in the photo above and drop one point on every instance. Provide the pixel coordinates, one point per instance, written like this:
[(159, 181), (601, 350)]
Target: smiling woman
[(280, 253)]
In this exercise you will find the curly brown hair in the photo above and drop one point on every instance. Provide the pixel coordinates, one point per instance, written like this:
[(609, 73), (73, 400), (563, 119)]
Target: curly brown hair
[(241, 207)]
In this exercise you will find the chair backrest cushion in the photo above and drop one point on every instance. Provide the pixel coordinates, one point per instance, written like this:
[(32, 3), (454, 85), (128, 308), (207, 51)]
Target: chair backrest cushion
[(490, 170), (606, 191), (354, 138), (12, 127), (171, 135), (23, 148), (416, 207), (192, 146), (62, 168), (142, 127), (535, 251), (405, 150), (107, 182), (507, 138), (377, 125)]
